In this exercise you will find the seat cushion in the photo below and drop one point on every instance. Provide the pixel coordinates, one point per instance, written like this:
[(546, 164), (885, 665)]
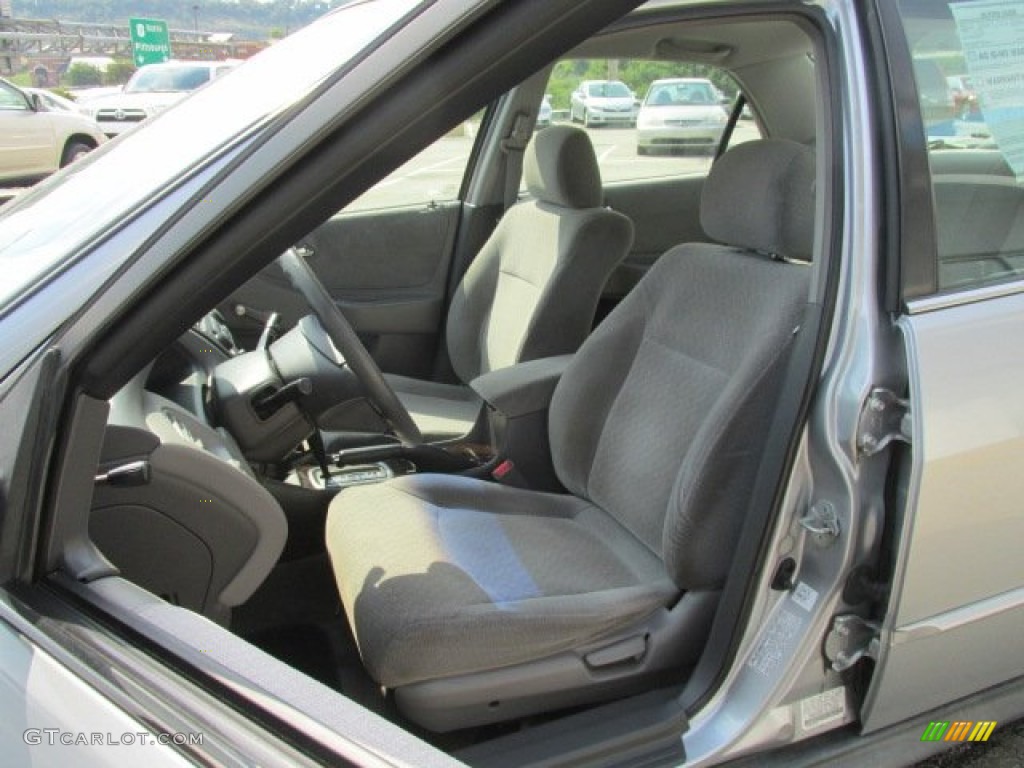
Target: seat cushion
[(441, 411), (435, 586)]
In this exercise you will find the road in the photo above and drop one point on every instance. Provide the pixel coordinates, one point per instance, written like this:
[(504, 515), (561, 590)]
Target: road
[(436, 172)]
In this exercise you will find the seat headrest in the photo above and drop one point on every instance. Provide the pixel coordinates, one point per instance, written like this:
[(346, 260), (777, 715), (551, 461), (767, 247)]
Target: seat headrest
[(760, 195), (560, 167)]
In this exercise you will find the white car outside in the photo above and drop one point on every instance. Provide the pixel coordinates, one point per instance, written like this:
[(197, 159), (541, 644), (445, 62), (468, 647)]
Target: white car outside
[(151, 90), (35, 141), (680, 113)]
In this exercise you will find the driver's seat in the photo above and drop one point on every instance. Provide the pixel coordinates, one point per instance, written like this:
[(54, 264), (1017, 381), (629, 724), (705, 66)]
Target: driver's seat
[(532, 289), (480, 602)]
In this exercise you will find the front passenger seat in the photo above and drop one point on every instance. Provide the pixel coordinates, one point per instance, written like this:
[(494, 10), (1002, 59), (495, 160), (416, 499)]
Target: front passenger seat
[(478, 602), (533, 288)]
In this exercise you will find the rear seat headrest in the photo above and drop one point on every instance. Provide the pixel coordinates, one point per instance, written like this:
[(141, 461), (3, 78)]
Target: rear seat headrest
[(760, 195)]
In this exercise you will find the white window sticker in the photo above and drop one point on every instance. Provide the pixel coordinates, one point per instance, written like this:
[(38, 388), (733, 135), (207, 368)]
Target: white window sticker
[(992, 35), (805, 596)]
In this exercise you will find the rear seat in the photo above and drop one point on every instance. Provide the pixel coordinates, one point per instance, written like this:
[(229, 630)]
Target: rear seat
[(979, 216)]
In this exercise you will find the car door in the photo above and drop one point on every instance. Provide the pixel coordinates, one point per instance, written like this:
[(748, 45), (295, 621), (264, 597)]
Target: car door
[(956, 614), (26, 137), (385, 259)]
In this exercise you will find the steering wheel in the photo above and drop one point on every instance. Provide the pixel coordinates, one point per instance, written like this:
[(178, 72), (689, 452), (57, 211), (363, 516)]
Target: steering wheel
[(380, 394)]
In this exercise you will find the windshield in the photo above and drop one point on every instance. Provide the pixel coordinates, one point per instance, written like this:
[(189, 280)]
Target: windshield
[(680, 94), (163, 78), (611, 90), (43, 229)]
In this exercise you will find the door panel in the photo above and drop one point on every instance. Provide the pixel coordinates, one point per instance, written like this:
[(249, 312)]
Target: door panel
[(389, 250), (26, 144), (665, 212), (387, 270), (956, 624)]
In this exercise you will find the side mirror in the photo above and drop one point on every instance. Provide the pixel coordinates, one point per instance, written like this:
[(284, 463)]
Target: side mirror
[(36, 102)]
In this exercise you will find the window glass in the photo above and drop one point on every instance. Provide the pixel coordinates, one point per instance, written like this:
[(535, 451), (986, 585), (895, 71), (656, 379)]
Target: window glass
[(647, 119), (433, 176), (968, 64), (11, 99)]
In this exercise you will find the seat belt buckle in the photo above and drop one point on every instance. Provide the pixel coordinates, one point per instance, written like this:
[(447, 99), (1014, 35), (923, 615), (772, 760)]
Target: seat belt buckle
[(503, 470), (507, 473)]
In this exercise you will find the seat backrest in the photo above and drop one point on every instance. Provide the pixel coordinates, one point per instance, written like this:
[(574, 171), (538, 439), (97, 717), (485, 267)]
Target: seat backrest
[(533, 288), (661, 416), (979, 216)]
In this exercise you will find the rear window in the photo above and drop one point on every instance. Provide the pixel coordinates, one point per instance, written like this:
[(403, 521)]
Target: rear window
[(968, 66), (167, 79), (680, 94), (608, 90)]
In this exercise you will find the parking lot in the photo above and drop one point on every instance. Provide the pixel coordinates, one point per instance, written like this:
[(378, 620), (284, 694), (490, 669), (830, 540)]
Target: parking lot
[(436, 172)]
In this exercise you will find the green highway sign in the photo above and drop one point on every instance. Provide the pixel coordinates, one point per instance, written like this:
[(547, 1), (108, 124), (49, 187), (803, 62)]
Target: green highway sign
[(151, 42)]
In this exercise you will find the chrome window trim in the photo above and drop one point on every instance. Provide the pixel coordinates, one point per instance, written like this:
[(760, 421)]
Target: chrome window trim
[(969, 296)]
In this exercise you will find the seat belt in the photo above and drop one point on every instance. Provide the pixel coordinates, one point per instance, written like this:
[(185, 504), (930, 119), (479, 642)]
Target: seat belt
[(513, 146)]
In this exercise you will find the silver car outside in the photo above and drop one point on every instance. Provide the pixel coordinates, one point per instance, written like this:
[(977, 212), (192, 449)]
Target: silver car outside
[(603, 102)]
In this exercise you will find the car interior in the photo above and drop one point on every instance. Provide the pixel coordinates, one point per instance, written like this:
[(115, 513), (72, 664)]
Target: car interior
[(481, 462)]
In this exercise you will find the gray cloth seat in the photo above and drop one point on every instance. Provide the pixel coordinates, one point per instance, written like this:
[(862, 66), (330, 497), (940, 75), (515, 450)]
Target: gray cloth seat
[(463, 557), (441, 411), (533, 288), (656, 430)]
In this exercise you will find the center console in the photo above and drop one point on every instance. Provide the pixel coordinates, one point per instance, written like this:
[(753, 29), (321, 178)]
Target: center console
[(517, 400), (515, 449)]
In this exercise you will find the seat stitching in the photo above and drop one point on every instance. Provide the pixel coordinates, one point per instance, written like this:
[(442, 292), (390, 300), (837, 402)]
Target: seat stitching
[(682, 353)]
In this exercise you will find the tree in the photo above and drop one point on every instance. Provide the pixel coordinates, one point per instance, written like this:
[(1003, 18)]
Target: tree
[(80, 74), (118, 72)]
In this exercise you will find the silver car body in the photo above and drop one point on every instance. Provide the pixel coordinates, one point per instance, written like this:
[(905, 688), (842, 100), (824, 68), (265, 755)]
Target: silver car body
[(544, 113), (950, 629), (603, 102)]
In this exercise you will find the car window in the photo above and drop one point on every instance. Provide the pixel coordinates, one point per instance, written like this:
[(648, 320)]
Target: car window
[(609, 90), (969, 69), (37, 228), (648, 119), (10, 99), (159, 78), (433, 176)]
